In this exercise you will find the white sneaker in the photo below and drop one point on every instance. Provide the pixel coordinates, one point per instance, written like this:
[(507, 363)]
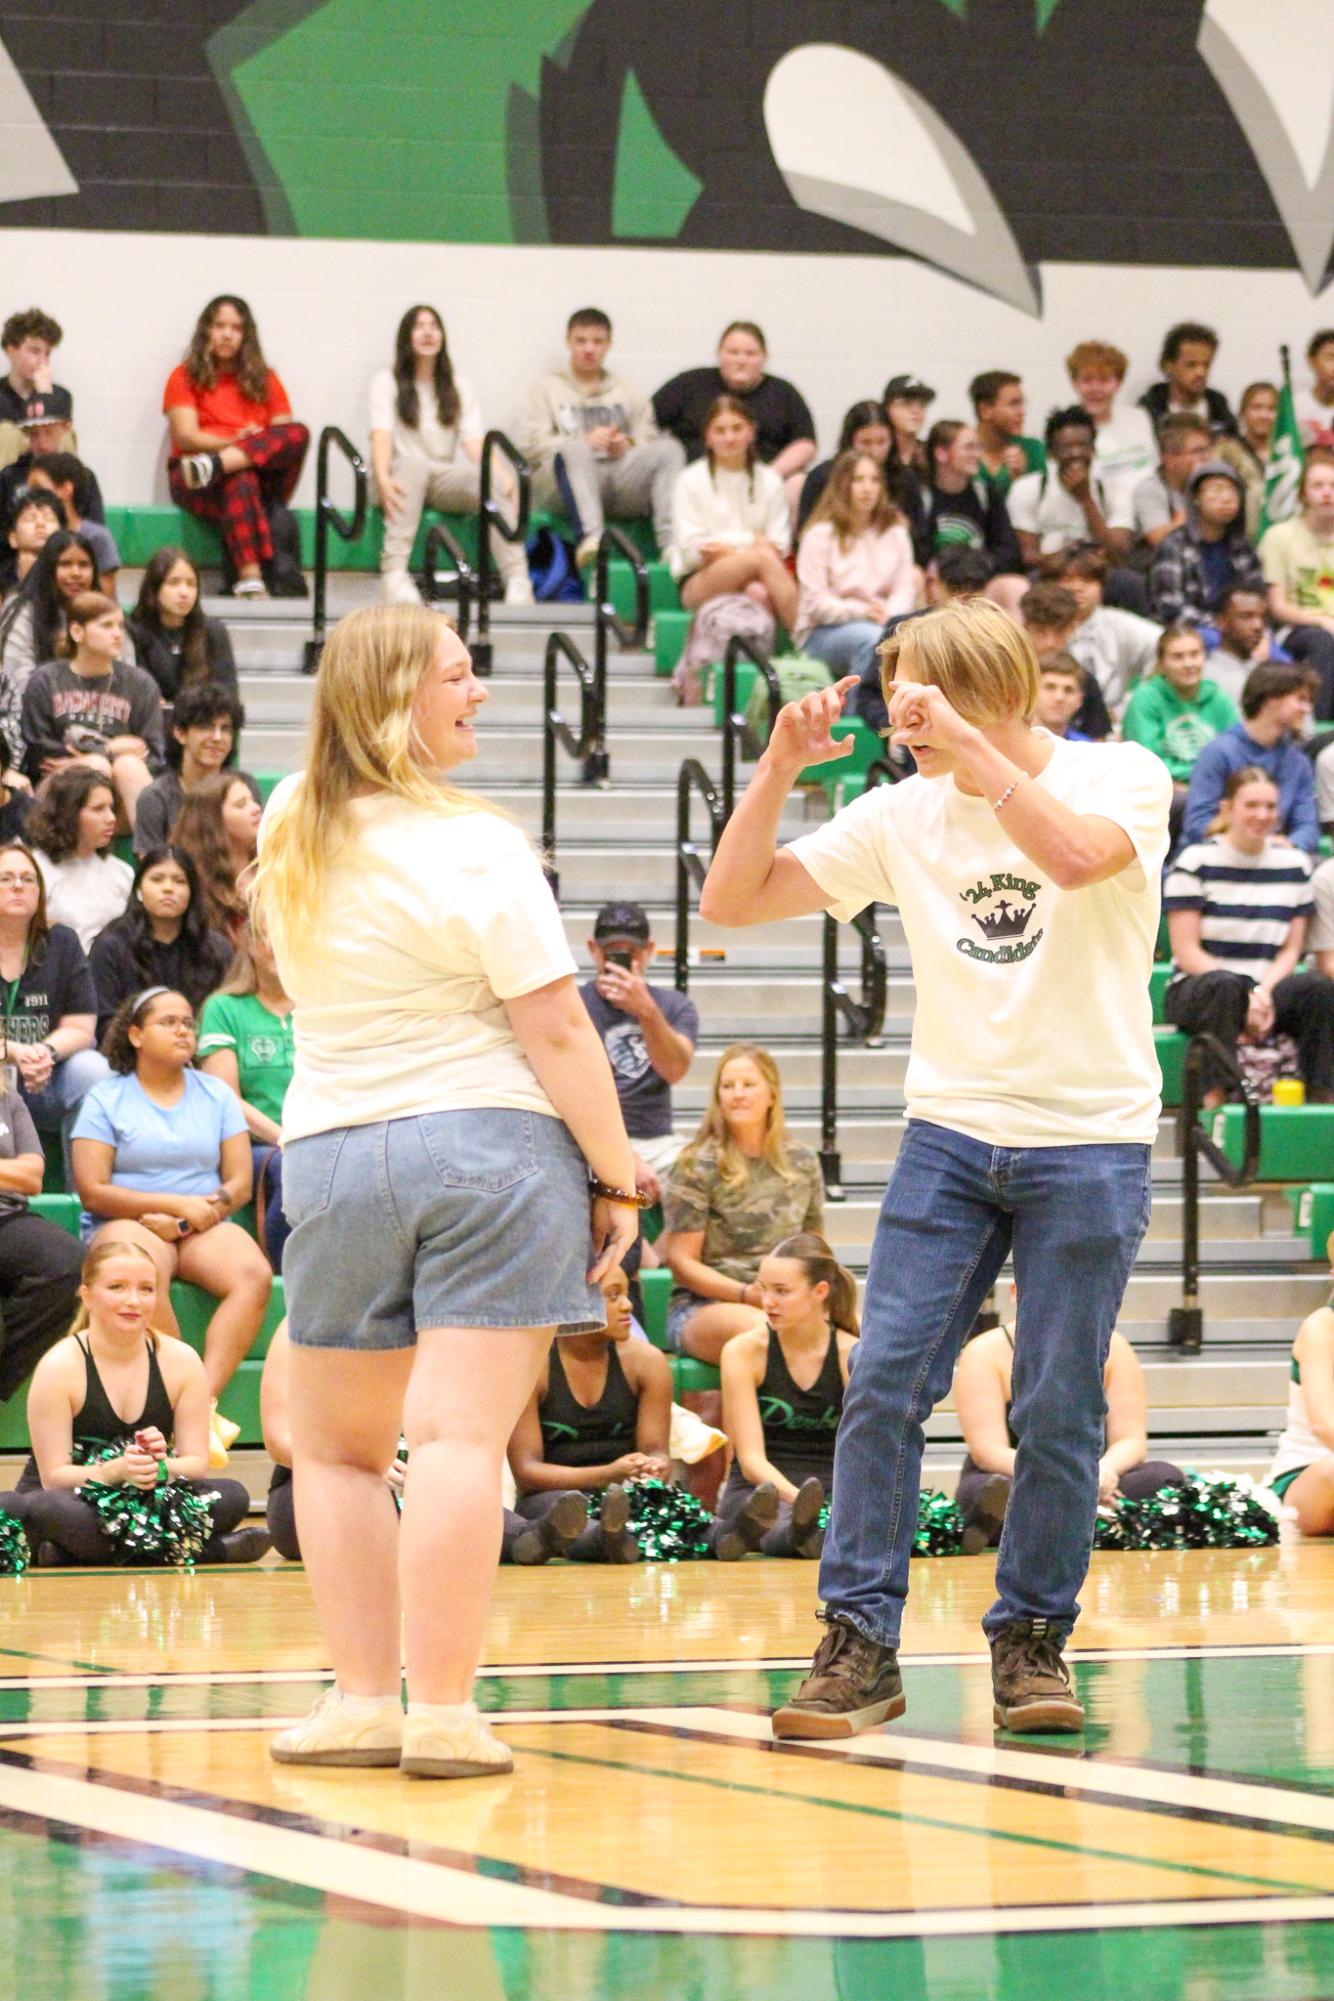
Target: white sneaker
[(398, 588), (198, 470), (519, 590), (329, 1736), (250, 587), (468, 1751)]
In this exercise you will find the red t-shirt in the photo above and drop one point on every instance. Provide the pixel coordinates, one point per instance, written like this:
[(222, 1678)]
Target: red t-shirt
[(222, 409)]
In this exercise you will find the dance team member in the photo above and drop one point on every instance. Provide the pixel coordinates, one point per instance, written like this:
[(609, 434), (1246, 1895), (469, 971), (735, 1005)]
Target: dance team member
[(114, 1382), (449, 1101), (783, 1387), (1026, 871), (1302, 1474)]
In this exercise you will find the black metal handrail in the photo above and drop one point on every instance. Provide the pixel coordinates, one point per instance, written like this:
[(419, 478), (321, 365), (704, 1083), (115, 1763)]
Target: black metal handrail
[(491, 514), (328, 516), (1185, 1323), (864, 1016), (607, 624), (691, 863), (738, 736), (555, 730), (441, 540)]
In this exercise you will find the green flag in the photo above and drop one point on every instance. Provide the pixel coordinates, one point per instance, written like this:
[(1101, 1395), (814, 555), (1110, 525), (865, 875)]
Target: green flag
[(1283, 469)]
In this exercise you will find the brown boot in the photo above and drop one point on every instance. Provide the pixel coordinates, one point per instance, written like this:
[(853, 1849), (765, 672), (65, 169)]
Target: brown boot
[(853, 1684), (1030, 1681)]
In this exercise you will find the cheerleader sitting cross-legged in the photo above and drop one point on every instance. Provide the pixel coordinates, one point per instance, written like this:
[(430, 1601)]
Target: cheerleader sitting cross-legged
[(783, 1387), (118, 1410)]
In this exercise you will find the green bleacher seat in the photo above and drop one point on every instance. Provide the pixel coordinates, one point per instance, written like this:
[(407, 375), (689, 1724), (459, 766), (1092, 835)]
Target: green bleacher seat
[(1313, 1214), (1296, 1141), (655, 1289), (267, 781), (662, 592), (746, 673), (1158, 980), (1171, 1045), (63, 1210), (690, 1376)]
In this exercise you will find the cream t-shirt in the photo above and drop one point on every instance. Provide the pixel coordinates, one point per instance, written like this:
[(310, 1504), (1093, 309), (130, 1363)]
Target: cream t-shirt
[(1033, 1023), (433, 922)]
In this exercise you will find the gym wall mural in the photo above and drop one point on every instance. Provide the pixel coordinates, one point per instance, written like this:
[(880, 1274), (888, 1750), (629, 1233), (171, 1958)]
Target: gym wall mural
[(984, 137)]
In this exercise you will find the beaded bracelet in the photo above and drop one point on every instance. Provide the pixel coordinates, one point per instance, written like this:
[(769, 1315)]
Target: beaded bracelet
[(629, 1198), (1010, 789)]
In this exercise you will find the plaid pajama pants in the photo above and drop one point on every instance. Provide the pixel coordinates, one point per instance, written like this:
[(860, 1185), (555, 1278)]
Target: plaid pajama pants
[(239, 501)]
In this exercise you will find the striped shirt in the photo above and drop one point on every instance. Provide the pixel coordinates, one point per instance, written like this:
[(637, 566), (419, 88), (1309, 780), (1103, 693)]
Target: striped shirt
[(1246, 902)]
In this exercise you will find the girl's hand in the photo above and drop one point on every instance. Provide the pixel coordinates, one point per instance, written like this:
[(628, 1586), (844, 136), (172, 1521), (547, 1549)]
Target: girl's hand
[(199, 1211), (150, 1440), (395, 1475), (803, 733), (140, 1467), (615, 1228), (392, 496)]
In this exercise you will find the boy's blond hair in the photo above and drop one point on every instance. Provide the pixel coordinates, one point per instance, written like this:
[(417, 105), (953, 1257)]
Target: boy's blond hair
[(979, 657)]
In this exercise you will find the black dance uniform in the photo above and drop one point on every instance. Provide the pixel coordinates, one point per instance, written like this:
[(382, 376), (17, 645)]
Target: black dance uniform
[(57, 1515), (1140, 1483), (576, 1434), (799, 1431)]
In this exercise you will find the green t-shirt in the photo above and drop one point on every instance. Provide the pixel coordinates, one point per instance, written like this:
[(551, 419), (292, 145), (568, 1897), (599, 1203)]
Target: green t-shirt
[(1172, 728), (1035, 460), (261, 1042)]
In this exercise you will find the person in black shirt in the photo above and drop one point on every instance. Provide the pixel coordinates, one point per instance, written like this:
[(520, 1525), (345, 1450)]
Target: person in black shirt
[(174, 641), (1187, 356), (960, 508), (26, 526), (46, 422), (28, 339), (865, 430), (205, 722), (162, 940), (50, 1003), (39, 1262), (784, 427), (649, 1034)]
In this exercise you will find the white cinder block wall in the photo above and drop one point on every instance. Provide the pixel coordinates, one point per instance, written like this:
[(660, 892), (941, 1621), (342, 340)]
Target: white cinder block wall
[(837, 326)]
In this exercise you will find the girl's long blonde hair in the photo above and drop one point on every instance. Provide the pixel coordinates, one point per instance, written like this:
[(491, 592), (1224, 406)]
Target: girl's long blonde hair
[(361, 734), (732, 1163)]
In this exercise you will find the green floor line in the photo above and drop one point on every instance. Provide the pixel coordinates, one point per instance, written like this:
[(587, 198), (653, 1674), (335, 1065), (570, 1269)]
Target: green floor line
[(929, 1820), (58, 1660)]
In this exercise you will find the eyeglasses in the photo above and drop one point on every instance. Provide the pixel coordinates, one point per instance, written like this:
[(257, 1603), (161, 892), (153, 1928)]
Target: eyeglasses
[(18, 881)]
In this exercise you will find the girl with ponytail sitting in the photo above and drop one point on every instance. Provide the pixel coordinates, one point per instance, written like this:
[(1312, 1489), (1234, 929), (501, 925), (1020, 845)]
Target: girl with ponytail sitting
[(783, 1387), (119, 1419)]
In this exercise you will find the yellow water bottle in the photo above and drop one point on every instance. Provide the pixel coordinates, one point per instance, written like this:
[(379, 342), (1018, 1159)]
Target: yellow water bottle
[(1289, 1091)]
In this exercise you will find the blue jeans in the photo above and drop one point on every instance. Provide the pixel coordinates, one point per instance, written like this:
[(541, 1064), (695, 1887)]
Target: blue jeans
[(1073, 1217), (842, 647)]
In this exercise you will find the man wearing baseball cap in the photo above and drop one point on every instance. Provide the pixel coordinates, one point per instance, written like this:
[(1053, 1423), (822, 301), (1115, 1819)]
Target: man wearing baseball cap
[(45, 423), (649, 1034)]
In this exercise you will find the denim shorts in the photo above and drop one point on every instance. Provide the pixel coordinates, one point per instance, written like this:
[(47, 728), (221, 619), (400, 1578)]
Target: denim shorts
[(678, 1313), (454, 1219)]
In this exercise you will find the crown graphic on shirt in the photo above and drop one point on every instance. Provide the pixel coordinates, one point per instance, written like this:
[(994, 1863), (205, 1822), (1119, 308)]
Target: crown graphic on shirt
[(1007, 920)]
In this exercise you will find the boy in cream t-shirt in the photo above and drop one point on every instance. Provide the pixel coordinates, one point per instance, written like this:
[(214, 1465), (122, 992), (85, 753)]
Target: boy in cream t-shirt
[(1026, 872)]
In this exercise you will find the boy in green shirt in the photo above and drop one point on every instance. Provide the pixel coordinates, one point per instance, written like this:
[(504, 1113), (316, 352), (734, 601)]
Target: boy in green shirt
[(1176, 712)]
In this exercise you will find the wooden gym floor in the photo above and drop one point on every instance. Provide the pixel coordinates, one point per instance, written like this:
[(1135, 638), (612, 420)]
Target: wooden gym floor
[(653, 1841)]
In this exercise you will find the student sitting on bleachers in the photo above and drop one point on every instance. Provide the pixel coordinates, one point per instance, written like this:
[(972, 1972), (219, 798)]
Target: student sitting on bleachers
[(33, 517), (70, 830), (1176, 712), (865, 430), (783, 1385), (109, 1406), (161, 939), (162, 1156), (218, 826), (204, 724), (39, 1262), (177, 643), (94, 708), (740, 1187), (236, 454), (1302, 1474), (1237, 906), (984, 1401), (730, 529), (522, 1542), (592, 442), (67, 477), (51, 1004), (783, 426), (245, 1038), (34, 624), (854, 566), (426, 450)]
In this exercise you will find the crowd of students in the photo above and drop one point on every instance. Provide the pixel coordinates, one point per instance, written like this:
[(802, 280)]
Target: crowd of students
[(148, 1030)]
